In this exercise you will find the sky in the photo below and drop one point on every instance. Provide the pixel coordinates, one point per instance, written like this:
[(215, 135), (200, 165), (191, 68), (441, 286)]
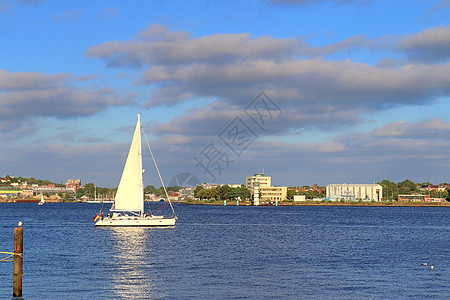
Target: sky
[(306, 91)]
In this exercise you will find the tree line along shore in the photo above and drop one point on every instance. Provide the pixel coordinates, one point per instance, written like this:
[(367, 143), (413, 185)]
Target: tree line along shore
[(233, 195), (321, 203)]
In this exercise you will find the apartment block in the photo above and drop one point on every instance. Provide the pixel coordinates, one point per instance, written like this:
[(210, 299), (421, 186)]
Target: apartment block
[(73, 184), (262, 191), (259, 179), (272, 193)]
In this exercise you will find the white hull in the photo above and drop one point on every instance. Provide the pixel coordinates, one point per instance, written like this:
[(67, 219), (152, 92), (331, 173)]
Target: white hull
[(136, 221), (129, 198), (42, 200)]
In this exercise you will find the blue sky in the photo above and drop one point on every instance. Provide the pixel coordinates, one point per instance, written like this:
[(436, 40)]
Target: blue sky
[(310, 91)]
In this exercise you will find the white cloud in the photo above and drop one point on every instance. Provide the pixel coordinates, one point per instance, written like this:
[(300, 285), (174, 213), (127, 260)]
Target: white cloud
[(332, 146), (31, 95), (67, 17), (236, 67), (5, 6), (317, 93), (157, 45), (312, 93), (440, 5), (302, 2), (109, 12), (430, 45), (31, 1), (425, 129), (29, 80)]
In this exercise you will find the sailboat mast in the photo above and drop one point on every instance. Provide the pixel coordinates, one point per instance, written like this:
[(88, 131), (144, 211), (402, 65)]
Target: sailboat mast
[(140, 165)]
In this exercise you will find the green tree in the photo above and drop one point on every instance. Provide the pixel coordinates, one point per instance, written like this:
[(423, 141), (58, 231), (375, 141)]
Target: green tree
[(150, 189), (103, 192), (211, 194), (243, 192), (198, 192), (224, 192), (238, 192), (89, 190), (390, 190), (174, 188), (290, 194), (434, 194), (407, 187), (66, 197), (80, 193)]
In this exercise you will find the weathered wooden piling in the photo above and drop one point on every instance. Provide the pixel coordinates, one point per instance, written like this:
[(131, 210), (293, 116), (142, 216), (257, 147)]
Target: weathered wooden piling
[(18, 262)]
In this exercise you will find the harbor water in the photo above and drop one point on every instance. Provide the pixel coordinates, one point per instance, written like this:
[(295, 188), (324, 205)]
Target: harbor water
[(230, 252)]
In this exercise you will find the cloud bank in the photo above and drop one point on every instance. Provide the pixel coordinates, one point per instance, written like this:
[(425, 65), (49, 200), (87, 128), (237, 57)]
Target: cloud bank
[(25, 95), (314, 92)]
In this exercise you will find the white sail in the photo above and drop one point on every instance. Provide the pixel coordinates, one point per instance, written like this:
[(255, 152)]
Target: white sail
[(42, 200), (130, 193)]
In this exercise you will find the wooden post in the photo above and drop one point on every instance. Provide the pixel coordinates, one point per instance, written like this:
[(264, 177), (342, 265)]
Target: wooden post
[(18, 262)]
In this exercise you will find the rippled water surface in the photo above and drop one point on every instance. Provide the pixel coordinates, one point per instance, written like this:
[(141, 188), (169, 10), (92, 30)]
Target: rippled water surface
[(217, 252)]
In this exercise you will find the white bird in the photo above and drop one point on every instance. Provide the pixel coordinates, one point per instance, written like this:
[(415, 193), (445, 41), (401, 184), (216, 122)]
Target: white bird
[(20, 223), (432, 267), (424, 264)]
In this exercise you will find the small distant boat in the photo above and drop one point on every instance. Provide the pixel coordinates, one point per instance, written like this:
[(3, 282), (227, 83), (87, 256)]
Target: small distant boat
[(128, 207), (42, 200)]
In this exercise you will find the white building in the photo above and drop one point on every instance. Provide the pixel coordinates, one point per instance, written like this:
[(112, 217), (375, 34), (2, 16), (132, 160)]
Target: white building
[(210, 186), (299, 198), (261, 189), (235, 185), (352, 192), (259, 179)]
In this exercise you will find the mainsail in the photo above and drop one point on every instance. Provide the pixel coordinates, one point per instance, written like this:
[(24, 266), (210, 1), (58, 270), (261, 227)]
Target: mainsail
[(130, 193)]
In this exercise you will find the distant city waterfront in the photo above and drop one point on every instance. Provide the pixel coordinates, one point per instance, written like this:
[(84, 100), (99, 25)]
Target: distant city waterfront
[(328, 203), (256, 191)]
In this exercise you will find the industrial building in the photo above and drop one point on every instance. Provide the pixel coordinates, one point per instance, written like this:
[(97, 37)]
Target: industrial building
[(354, 192)]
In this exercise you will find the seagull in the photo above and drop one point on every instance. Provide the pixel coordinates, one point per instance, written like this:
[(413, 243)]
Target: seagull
[(424, 264), (432, 267), (20, 223)]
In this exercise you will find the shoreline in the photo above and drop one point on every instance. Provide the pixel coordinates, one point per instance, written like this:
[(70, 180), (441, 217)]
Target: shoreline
[(282, 203), (320, 203)]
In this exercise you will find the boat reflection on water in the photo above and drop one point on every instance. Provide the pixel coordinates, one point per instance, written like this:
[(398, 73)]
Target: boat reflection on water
[(131, 276)]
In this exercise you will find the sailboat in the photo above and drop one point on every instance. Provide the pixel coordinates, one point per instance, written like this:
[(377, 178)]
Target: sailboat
[(42, 200), (128, 207)]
